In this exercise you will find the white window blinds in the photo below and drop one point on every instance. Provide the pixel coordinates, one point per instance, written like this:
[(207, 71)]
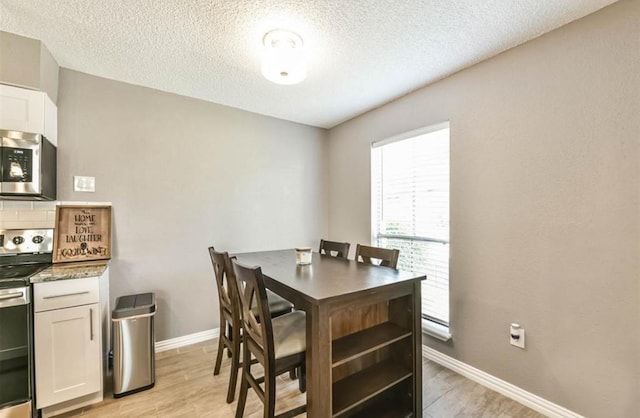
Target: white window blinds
[(410, 210)]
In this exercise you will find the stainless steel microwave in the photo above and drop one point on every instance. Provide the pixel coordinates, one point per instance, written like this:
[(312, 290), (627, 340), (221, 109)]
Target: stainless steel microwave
[(28, 166)]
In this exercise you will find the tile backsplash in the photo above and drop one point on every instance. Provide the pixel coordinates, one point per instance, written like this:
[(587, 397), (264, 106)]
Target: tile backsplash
[(18, 214)]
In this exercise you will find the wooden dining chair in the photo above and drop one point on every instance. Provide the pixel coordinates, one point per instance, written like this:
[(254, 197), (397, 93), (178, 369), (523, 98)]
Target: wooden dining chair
[(278, 344), (334, 248), (231, 313), (388, 257)]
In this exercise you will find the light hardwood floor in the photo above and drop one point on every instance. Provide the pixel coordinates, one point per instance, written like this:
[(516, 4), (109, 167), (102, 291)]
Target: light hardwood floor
[(185, 387)]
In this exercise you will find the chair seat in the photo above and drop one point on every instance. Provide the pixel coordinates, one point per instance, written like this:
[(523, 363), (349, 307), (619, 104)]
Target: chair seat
[(277, 304), (289, 334)]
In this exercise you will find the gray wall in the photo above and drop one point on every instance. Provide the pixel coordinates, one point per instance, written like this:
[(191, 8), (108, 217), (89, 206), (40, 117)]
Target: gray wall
[(545, 211), (182, 175), (28, 63)]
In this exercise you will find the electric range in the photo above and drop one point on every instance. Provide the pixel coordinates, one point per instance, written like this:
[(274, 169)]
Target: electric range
[(23, 253)]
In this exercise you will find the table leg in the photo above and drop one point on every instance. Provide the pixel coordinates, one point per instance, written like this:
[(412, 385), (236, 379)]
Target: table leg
[(417, 354), (318, 363)]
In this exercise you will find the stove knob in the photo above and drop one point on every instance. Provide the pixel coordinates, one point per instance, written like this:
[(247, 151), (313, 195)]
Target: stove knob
[(18, 240), (37, 239)]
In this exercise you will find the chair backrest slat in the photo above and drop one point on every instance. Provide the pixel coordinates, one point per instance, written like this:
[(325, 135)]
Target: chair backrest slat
[(334, 248), (254, 294), (388, 257), (225, 281)]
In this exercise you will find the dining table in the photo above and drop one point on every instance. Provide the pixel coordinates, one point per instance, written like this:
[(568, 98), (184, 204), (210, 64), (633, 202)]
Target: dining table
[(363, 332)]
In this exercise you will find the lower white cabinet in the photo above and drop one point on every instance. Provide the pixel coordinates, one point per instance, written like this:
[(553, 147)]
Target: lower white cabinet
[(68, 354), (71, 339)]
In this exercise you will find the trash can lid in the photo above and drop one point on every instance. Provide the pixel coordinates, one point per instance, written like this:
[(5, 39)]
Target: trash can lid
[(134, 305)]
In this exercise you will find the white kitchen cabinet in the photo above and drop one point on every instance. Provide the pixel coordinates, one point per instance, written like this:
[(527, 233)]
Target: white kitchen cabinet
[(28, 111), (68, 354), (71, 336)]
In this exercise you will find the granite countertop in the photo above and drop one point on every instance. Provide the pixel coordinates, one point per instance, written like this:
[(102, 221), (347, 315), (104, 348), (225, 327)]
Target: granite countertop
[(68, 271)]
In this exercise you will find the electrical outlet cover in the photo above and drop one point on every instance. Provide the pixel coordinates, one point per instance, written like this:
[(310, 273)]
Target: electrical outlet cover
[(518, 342)]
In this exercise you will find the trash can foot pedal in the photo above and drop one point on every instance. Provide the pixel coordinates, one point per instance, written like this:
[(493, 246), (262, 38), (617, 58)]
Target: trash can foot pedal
[(131, 392)]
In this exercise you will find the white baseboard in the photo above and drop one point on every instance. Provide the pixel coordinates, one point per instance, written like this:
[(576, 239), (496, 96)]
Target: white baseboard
[(178, 342), (507, 389)]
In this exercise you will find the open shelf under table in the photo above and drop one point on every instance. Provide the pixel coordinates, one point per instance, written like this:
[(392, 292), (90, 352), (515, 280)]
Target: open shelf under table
[(362, 386), (363, 342)]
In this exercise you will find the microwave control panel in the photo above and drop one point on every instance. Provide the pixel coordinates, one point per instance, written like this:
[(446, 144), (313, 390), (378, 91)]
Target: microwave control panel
[(17, 165)]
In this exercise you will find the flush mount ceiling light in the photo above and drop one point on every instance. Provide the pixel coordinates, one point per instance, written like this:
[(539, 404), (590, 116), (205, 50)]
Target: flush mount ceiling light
[(283, 61)]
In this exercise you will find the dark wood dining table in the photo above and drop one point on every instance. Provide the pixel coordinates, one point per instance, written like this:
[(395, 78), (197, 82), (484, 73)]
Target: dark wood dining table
[(363, 332)]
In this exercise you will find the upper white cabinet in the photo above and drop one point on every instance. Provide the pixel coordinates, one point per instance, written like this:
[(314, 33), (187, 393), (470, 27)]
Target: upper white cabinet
[(28, 111)]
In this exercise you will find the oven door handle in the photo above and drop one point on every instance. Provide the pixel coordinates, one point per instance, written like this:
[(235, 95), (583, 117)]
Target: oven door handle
[(9, 296)]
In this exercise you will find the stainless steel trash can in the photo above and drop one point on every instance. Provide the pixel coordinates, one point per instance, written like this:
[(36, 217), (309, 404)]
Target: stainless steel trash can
[(133, 344)]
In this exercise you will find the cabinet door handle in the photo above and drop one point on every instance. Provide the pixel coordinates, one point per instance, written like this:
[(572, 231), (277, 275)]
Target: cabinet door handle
[(91, 323), (66, 294)]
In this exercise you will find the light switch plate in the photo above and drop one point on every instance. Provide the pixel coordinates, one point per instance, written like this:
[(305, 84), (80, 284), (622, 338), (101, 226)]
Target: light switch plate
[(84, 184)]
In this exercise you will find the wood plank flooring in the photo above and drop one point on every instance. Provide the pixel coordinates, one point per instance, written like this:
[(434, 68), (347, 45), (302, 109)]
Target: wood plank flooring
[(185, 387)]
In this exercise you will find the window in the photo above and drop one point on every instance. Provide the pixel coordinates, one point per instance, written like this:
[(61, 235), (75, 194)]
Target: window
[(410, 211)]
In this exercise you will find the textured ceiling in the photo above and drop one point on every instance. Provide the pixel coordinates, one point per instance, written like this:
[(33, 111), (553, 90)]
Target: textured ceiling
[(361, 54)]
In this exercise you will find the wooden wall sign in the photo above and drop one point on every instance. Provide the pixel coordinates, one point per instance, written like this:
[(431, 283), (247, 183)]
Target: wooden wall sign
[(82, 233)]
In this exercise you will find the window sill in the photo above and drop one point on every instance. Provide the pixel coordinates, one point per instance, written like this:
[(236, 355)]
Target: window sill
[(436, 330)]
